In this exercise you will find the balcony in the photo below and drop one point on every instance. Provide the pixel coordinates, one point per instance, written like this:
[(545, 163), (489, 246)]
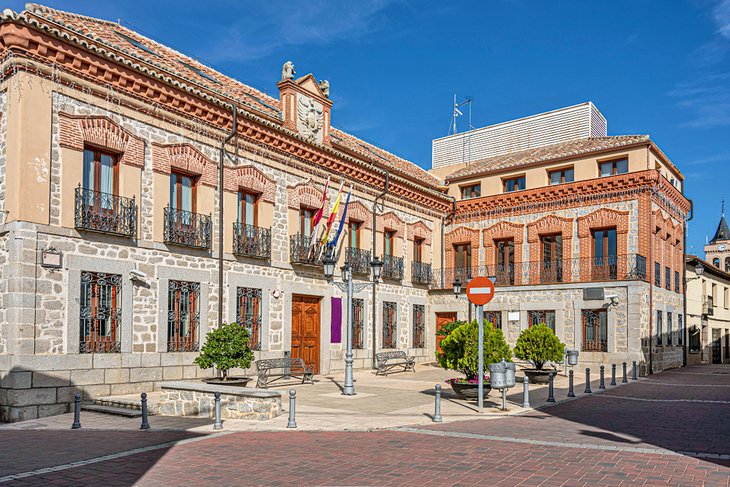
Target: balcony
[(421, 273), (105, 213), (187, 228), (251, 241), (392, 268), (359, 261), (305, 250)]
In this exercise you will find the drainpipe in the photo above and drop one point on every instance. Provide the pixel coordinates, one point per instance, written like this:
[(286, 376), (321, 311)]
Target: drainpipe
[(684, 280), (234, 131), (375, 285), (450, 217)]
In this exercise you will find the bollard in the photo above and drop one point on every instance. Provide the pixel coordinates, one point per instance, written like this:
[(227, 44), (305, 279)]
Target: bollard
[(633, 377), (292, 407), (551, 388), (218, 425), (624, 380), (145, 424), (613, 374), (77, 411), (437, 412), (588, 381), (601, 383), (571, 393), (525, 392)]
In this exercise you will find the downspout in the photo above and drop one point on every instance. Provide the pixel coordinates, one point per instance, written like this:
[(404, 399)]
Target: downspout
[(375, 284), (233, 133), (684, 281), (450, 217), (652, 281)]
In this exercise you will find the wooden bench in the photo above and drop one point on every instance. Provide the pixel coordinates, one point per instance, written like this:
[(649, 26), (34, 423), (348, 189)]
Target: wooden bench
[(387, 361), (273, 369)]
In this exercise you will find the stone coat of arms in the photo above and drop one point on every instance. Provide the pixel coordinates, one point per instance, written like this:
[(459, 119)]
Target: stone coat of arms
[(309, 118)]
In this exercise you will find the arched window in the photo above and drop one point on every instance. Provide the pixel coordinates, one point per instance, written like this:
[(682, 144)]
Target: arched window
[(727, 264), (716, 262)]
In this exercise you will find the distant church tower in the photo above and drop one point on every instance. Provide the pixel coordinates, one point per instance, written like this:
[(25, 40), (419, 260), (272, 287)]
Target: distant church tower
[(718, 250)]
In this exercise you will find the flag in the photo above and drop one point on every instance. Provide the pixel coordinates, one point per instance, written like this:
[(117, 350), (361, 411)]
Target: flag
[(318, 215), (332, 216), (333, 243)]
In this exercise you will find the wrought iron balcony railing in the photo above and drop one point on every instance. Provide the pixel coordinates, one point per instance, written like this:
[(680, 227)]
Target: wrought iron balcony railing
[(421, 273), (251, 241), (359, 260), (392, 268), (187, 228), (105, 213), (305, 250)]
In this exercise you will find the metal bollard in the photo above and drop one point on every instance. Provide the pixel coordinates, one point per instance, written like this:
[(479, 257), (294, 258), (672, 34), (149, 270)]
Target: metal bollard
[(218, 425), (525, 392), (613, 375), (292, 409), (437, 412), (571, 393), (601, 383), (624, 380), (633, 377), (588, 381), (77, 411), (551, 388), (145, 424)]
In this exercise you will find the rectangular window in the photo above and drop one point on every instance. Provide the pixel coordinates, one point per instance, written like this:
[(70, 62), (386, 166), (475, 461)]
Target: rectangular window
[(494, 317), (471, 191), (306, 222), (659, 327), (388, 242), (353, 231), (657, 274), (560, 176), (248, 313), (514, 184), (505, 258), (419, 326), (694, 339), (418, 250), (100, 172), (727, 298), (462, 261), (182, 192), (100, 312), (248, 208), (668, 278), (604, 254), (390, 324), (670, 328), (358, 323), (183, 316), (543, 316), (680, 330), (676, 281), (552, 258), (595, 330), (611, 168)]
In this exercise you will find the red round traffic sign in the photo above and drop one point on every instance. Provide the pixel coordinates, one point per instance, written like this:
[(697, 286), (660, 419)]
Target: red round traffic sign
[(480, 290)]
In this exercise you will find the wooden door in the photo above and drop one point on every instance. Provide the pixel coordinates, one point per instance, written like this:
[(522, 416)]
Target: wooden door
[(305, 328), (441, 320)]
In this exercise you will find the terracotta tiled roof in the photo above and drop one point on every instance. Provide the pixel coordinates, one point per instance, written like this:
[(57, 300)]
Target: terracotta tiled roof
[(546, 153), (141, 48)]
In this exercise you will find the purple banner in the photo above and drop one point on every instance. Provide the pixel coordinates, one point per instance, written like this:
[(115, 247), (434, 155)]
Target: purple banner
[(336, 329)]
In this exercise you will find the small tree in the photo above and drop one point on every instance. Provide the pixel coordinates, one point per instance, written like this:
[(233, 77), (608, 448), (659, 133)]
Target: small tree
[(460, 348), (225, 348), (538, 344)]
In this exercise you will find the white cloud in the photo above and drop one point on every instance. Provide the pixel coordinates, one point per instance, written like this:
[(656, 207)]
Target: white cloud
[(721, 15)]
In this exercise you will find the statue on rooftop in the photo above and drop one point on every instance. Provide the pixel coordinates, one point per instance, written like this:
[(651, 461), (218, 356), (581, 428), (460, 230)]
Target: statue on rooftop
[(287, 71), (324, 85)]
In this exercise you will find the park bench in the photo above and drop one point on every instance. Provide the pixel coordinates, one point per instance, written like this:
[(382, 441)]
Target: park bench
[(273, 369), (387, 361)]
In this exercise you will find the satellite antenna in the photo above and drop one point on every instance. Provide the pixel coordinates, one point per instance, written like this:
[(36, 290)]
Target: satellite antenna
[(457, 113)]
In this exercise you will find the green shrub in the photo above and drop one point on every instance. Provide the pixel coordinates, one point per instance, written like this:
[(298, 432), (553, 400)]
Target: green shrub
[(538, 344), (226, 347), (459, 350)]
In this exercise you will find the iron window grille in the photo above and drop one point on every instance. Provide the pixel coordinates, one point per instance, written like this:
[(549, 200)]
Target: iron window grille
[(659, 326), (390, 324), (305, 250), (251, 241), (595, 330), (100, 312), (680, 329), (543, 316), (676, 281), (186, 228), (248, 313), (392, 267), (419, 326), (359, 260), (183, 316), (494, 317), (421, 273), (105, 213), (657, 274), (670, 328), (358, 323), (668, 278)]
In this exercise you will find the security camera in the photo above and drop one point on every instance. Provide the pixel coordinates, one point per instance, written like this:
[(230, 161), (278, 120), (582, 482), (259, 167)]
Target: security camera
[(613, 298), (136, 275)]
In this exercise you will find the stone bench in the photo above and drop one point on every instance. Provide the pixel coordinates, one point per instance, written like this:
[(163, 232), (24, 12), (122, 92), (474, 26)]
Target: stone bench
[(181, 398)]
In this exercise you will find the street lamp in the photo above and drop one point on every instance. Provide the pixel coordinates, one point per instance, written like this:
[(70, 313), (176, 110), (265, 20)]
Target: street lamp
[(457, 286), (699, 270), (377, 266)]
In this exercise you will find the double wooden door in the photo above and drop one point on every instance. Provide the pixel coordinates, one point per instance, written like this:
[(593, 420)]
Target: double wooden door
[(305, 327)]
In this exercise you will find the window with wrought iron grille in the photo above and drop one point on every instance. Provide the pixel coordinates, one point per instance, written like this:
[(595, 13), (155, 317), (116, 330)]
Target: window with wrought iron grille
[(390, 324), (248, 313), (668, 278), (657, 274), (419, 326), (676, 281), (659, 327), (183, 316), (542, 316), (680, 330), (694, 339), (595, 330), (100, 312), (358, 323), (495, 318), (670, 328)]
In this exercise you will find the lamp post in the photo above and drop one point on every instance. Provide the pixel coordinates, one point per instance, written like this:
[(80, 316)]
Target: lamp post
[(348, 287), (699, 270)]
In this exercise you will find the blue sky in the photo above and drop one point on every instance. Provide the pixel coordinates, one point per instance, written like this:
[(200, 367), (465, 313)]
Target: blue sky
[(652, 67)]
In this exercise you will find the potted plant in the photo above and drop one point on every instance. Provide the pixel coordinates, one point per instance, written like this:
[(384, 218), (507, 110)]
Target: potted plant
[(539, 345), (226, 347), (460, 352)]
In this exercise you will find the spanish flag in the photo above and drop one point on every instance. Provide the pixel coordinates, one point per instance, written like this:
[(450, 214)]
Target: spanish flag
[(333, 243), (333, 215)]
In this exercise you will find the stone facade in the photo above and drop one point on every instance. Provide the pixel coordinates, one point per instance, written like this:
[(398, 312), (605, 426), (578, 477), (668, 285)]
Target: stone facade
[(182, 399)]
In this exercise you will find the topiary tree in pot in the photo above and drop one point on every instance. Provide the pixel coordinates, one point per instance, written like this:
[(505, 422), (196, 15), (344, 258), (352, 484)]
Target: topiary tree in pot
[(539, 345), (226, 347)]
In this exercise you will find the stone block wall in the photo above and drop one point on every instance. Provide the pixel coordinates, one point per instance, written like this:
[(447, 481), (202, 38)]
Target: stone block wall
[(201, 404)]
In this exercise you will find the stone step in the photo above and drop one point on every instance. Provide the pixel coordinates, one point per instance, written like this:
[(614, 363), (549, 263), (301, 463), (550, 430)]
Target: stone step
[(126, 412), (119, 403)]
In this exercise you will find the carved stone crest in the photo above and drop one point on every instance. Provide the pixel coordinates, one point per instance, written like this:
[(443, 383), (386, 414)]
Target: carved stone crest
[(309, 119)]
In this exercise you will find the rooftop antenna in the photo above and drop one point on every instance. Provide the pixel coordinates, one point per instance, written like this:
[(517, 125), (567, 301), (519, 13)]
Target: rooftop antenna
[(723, 207), (457, 113)]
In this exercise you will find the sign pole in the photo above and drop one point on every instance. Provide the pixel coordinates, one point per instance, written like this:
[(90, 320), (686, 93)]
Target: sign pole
[(480, 321), (480, 291)]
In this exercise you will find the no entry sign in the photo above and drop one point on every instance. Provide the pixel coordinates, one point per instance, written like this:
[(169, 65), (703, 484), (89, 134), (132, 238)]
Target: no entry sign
[(480, 290)]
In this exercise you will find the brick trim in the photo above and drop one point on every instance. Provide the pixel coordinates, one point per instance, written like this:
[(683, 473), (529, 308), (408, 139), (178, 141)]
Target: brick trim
[(184, 157), (458, 236), (603, 218), (419, 229), (504, 230), (357, 211), (251, 179), (391, 221), (550, 224), (74, 132), (305, 194)]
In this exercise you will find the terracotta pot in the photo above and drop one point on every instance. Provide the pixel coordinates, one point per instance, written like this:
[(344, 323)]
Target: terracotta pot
[(470, 392), (538, 376)]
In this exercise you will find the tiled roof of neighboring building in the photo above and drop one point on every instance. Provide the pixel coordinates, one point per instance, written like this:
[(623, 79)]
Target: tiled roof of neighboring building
[(546, 153), (143, 49)]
